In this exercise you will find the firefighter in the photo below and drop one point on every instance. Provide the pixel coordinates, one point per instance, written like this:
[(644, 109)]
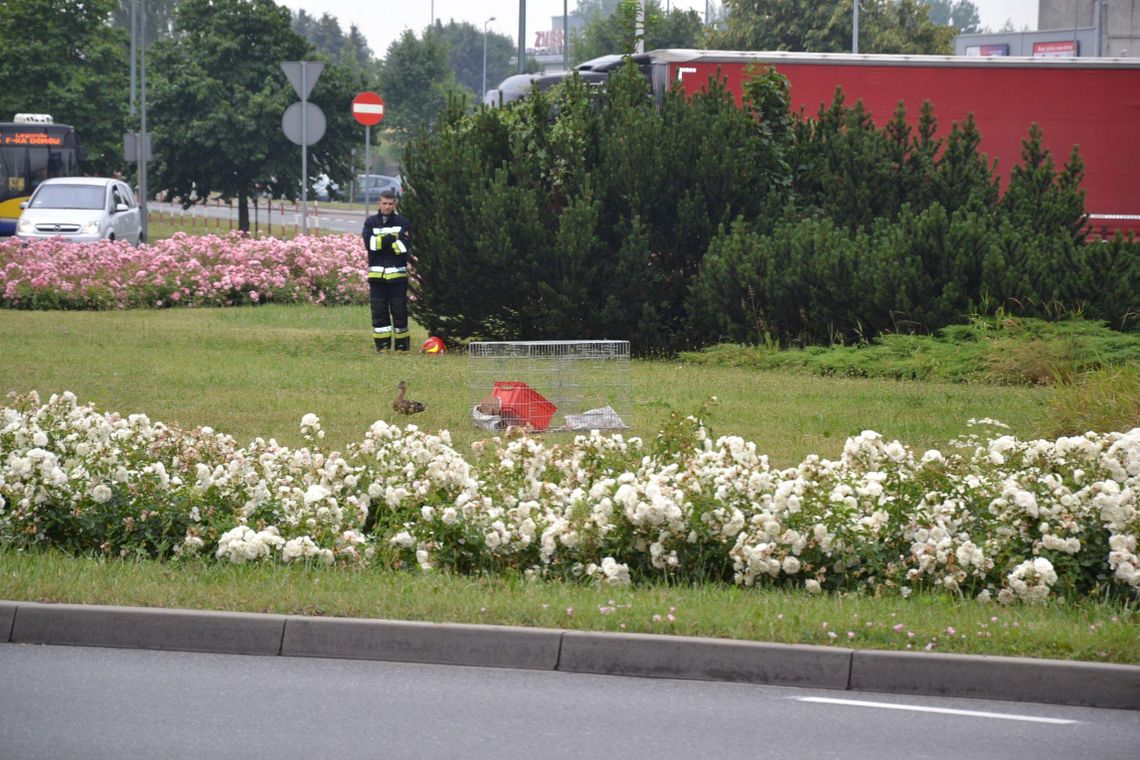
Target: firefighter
[(386, 234)]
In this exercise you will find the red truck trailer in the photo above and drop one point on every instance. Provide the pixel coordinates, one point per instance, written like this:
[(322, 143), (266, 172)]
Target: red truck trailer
[(1093, 103)]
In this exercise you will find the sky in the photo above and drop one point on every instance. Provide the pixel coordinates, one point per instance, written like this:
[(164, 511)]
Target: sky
[(382, 23)]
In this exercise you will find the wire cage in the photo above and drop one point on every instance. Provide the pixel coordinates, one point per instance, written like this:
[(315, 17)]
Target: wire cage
[(550, 384)]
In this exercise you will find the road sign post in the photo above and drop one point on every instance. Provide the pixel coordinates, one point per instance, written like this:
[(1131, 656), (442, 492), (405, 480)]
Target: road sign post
[(304, 125), (368, 109)]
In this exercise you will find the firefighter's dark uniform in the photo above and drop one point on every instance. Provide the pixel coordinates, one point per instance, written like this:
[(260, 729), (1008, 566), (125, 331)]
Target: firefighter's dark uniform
[(386, 240)]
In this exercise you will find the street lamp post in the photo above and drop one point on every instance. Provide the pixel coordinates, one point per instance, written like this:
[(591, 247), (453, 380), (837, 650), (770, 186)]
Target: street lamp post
[(483, 92)]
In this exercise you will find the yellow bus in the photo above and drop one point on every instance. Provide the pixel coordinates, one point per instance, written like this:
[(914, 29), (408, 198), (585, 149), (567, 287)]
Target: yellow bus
[(32, 148)]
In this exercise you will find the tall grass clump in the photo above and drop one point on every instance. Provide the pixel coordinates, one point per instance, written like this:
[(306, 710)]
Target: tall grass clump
[(1098, 400)]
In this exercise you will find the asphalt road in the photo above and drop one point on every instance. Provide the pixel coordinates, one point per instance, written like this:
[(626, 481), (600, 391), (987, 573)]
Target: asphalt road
[(85, 702)]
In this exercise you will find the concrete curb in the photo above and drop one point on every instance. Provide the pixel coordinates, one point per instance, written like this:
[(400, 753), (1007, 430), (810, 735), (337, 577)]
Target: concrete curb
[(442, 643), (7, 618), (642, 655), (654, 656), (148, 628), (982, 677)]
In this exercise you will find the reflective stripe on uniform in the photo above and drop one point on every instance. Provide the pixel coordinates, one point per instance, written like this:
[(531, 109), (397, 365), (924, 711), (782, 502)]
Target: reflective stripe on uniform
[(378, 233), (382, 330), (401, 333), (387, 273)]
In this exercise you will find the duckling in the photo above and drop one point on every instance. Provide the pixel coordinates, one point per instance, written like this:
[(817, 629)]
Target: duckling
[(403, 405)]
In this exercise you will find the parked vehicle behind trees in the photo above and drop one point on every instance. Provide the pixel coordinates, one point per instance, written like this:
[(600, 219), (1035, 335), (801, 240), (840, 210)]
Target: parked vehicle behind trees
[(368, 187)]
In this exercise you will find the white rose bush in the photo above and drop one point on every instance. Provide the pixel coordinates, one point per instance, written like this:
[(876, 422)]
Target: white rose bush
[(991, 517)]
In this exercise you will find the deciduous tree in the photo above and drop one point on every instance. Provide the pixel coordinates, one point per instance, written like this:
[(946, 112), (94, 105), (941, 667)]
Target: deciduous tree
[(961, 14), (885, 26), (157, 15), (465, 52), (63, 57), (606, 34), (416, 80), (218, 101)]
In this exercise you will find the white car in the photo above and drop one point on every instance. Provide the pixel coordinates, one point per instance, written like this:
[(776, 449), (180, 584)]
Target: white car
[(82, 210)]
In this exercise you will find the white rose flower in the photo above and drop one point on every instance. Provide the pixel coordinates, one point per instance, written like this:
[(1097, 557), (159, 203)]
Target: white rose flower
[(316, 492), (969, 555), (404, 540), (933, 455), (1027, 501), (895, 451), (616, 573)]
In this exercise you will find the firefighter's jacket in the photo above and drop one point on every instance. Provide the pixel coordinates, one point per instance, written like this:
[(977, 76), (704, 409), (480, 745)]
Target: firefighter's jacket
[(386, 240)]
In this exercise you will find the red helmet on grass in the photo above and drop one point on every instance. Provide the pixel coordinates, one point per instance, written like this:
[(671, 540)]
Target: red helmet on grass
[(433, 345)]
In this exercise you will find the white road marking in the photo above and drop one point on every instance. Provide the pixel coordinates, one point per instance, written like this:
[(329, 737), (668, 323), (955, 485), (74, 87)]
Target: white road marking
[(943, 710)]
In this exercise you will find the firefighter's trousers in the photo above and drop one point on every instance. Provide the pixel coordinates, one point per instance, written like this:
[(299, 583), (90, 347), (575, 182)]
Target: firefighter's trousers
[(389, 301)]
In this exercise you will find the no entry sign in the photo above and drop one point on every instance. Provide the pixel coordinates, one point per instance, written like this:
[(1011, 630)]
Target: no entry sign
[(368, 108)]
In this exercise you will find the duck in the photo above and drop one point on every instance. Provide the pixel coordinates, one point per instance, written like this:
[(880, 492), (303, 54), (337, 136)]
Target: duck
[(403, 405)]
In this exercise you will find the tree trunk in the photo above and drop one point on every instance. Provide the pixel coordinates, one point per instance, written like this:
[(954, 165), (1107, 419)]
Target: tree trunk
[(243, 212)]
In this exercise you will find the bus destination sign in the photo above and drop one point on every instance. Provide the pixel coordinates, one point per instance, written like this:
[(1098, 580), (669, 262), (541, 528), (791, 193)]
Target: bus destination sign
[(29, 138)]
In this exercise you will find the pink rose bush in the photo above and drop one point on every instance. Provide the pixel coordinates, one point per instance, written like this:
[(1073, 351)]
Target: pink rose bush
[(184, 270), (992, 517)]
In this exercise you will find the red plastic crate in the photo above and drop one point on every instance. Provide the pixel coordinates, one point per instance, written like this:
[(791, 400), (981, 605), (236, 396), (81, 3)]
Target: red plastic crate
[(525, 403)]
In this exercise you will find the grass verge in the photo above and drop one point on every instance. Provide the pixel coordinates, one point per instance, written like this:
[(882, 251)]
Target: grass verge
[(1087, 631)]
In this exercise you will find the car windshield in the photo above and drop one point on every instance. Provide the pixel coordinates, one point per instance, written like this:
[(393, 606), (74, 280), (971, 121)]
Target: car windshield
[(69, 196)]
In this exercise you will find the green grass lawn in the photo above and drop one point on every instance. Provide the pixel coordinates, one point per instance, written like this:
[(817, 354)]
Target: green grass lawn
[(255, 371)]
